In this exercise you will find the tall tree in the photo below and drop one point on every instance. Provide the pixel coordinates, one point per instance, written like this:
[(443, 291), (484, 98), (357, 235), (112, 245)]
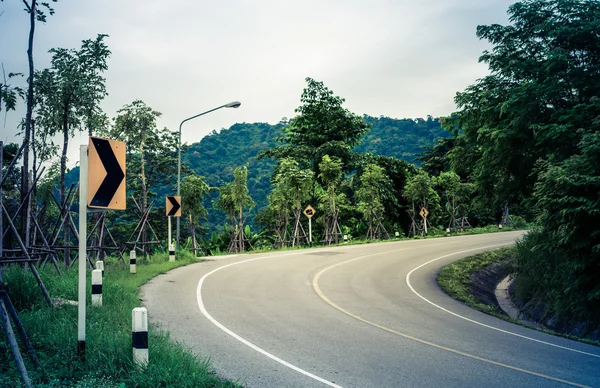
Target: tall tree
[(150, 151), (419, 190), (370, 197), (322, 127), (544, 72), (534, 123), (241, 200), (193, 191), (69, 89), (295, 184), (331, 175), (36, 14)]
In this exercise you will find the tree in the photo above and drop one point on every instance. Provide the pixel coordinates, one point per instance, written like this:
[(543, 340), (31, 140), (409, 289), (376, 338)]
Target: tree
[(294, 185), (69, 90), (370, 195), (151, 152), (193, 191), (35, 15), (419, 190), (322, 127), (456, 194), (331, 174), (533, 123), (544, 71), (233, 199)]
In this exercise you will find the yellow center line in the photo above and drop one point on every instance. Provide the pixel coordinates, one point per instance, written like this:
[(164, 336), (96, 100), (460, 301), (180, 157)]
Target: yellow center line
[(341, 309)]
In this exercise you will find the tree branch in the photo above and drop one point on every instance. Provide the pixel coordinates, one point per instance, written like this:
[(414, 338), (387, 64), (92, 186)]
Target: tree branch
[(27, 5)]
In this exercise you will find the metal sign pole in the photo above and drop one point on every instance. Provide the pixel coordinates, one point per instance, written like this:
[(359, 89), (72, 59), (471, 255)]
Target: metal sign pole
[(310, 230), (169, 241), (83, 195)]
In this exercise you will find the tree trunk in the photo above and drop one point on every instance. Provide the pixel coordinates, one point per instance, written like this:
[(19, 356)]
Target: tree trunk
[(63, 168), (241, 230), (27, 139)]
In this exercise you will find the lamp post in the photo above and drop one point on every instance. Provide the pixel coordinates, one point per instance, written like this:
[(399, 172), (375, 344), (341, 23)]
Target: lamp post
[(233, 104)]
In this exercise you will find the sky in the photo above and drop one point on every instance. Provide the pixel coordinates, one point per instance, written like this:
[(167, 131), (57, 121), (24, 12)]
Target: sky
[(395, 58)]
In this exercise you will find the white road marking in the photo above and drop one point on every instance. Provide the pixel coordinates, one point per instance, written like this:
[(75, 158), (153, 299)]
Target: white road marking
[(244, 341), (479, 323)]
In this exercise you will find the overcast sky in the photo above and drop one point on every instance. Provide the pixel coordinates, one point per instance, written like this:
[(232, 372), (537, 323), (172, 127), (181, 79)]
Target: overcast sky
[(397, 58)]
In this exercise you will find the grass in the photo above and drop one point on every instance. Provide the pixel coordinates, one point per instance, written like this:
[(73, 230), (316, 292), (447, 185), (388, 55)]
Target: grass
[(108, 363), (433, 233), (455, 280)]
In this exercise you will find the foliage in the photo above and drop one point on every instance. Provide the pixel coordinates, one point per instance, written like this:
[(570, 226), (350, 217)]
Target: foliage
[(193, 190), (419, 189), (455, 279), (370, 194), (400, 138), (69, 92), (322, 127), (529, 138), (9, 93), (330, 174), (219, 153)]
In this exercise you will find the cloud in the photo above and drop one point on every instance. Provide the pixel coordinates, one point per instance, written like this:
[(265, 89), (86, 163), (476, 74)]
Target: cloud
[(395, 58)]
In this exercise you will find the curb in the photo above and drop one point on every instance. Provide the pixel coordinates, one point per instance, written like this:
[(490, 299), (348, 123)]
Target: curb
[(507, 305)]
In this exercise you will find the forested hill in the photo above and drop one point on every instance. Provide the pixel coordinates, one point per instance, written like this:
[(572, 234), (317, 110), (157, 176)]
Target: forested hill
[(218, 154), (401, 138)]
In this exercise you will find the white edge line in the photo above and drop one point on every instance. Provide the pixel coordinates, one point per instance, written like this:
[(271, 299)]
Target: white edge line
[(244, 341), (479, 323)]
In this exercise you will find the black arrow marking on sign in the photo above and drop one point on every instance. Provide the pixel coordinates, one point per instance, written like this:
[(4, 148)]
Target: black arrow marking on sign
[(175, 205), (114, 174)]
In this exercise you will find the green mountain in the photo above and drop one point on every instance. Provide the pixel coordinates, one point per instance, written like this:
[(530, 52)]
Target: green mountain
[(219, 153)]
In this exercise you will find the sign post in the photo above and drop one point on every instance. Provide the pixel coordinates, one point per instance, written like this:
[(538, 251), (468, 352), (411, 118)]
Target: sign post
[(309, 212), (83, 193), (173, 207), (424, 213), (101, 187)]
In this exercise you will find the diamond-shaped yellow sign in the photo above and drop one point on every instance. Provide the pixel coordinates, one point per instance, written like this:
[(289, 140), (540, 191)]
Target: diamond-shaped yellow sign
[(309, 211), (423, 213)]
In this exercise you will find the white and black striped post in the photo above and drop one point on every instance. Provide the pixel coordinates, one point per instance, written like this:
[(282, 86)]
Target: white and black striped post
[(96, 287), (100, 266), (345, 238), (171, 252), (170, 243), (132, 261), (139, 336)]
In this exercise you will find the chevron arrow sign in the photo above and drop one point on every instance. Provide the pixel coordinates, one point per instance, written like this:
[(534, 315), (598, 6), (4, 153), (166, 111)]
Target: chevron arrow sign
[(173, 206), (106, 174)]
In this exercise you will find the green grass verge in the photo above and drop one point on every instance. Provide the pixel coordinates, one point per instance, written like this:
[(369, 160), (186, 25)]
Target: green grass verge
[(108, 363), (455, 280)]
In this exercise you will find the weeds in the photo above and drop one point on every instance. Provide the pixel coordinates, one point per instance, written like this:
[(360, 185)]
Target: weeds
[(108, 363)]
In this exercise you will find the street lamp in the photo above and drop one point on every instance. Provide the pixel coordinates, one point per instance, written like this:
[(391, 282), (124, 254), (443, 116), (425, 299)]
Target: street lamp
[(233, 104)]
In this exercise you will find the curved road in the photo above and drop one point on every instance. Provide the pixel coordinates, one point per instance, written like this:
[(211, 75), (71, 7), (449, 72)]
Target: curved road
[(357, 316)]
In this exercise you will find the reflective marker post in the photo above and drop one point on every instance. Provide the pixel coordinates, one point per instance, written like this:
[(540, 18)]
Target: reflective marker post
[(83, 194)]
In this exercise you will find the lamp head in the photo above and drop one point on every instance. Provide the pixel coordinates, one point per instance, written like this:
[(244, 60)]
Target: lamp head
[(233, 104)]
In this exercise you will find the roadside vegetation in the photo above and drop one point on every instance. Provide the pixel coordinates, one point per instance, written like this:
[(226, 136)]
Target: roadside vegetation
[(108, 363), (458, 281)]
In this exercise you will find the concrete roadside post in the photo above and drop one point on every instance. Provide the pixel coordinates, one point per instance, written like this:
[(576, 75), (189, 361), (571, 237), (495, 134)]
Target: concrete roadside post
[(100, 266), (96, 287), (139, 336), (132, 261)]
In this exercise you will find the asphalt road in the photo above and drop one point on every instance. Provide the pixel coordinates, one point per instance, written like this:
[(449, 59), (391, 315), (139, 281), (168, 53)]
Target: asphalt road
[(357, 316)]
